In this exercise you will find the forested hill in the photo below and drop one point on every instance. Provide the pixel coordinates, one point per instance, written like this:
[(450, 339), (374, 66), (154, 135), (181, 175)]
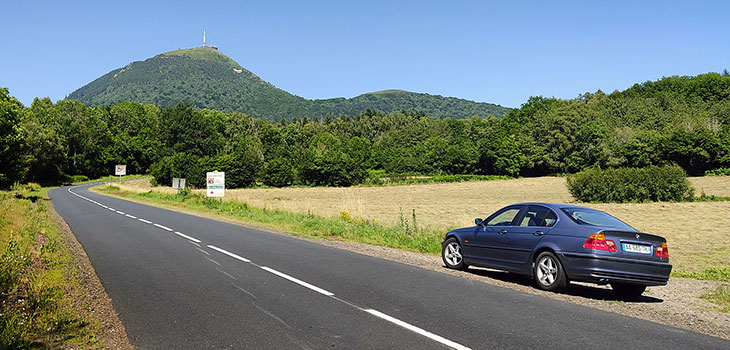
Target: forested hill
[(205, 78)]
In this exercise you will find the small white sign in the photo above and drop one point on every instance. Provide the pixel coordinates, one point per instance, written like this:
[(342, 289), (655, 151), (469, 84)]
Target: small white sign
[(216, 184), (178, 182), (120, 169)]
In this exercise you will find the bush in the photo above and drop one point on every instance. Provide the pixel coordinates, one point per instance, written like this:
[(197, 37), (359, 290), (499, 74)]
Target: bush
[(651, 184), (718, 172)]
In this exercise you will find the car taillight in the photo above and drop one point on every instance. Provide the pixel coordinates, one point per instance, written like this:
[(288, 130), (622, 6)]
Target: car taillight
[(598, 241), (663, 251)]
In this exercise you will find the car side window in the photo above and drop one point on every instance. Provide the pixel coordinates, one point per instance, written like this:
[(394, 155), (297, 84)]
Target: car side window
[(537, 215), (504, 217)]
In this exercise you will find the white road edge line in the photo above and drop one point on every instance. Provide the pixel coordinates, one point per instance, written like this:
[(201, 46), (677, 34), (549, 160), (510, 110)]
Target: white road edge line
[(187, 237), (145, 221), (119, 212), (237, 257), (130, 216), (299, 282), (415, 329), (162, 227)]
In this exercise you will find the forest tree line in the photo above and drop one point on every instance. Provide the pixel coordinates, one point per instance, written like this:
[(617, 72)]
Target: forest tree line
[(675, 120)]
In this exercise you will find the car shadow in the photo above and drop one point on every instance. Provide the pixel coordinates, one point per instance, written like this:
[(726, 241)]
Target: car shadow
[(587, 291)]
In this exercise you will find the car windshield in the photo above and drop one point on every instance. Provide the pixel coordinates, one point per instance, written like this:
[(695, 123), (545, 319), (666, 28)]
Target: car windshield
[(585, 216)]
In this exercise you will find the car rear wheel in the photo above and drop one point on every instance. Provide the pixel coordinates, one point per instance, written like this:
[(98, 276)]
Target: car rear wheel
[(628, 290), (549, 273), (451, 253)]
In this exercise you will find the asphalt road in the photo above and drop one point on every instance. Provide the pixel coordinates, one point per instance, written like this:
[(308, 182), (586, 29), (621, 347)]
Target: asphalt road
[(183, 282)]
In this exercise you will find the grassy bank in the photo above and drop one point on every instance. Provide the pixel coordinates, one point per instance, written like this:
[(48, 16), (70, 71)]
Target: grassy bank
[(406, 235), (39, 282)]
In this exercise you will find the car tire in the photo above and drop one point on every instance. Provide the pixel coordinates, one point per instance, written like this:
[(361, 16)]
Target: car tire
[(627, 290), (549, 273), (451, 254)]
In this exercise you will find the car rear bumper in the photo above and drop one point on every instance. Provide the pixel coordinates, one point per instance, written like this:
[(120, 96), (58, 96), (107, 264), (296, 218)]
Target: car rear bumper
[(606, 269)]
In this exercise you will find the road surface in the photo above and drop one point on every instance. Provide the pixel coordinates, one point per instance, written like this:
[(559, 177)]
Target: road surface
[(183, 282)]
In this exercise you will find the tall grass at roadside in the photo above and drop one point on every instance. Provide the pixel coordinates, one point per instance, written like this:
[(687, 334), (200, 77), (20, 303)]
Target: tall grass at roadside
[(37, 277), (406, 235)]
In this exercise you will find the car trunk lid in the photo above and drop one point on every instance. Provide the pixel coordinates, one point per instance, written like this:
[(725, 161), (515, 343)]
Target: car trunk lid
[(636, 245)]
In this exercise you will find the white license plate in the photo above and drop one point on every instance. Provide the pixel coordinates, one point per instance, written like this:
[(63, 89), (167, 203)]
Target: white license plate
[(637, 248)]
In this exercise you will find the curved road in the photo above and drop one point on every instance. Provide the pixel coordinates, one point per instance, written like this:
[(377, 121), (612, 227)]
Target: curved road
[(183, 282)]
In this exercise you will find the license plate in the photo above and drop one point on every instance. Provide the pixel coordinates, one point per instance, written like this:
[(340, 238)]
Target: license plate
[(636, 248)]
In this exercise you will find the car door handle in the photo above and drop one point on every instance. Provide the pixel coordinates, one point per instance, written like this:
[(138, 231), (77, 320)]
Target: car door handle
[(502, 232), (538, 233)]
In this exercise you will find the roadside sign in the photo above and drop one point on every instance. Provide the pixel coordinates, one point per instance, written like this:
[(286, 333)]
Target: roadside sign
[(216, 184), (120, 169), (178, 182)]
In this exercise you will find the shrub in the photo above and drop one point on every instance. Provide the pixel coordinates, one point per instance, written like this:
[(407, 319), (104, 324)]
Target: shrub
[(718, 172), (650, 184)]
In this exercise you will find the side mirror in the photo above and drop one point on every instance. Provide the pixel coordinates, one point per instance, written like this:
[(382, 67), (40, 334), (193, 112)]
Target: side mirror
[(479, 222)]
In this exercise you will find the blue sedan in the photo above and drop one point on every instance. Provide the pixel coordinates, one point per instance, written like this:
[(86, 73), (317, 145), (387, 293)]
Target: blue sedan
[(558, 243)]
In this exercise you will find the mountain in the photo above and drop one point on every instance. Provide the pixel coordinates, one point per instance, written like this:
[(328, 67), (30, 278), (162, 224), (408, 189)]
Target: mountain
[(206, 78)]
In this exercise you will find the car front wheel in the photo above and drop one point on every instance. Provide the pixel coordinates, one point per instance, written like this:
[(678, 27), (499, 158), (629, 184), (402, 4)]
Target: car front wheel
[(549, 273), (451, 253)]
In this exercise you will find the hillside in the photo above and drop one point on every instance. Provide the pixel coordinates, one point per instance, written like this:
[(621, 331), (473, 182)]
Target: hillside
[(206, 78)]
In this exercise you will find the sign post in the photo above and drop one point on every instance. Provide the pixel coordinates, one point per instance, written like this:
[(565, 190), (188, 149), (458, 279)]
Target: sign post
[(178, 183), (216, 184), (120, 169)]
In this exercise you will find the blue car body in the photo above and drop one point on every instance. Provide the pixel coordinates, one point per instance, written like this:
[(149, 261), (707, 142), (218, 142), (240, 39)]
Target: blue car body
[(515, 245)]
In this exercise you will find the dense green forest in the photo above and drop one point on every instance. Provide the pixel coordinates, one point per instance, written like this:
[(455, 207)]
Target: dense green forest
[(205, 78), (676, 120)]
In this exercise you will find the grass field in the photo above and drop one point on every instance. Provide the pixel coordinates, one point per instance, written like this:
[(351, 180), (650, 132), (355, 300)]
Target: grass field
[(697, 232), (38, 281)]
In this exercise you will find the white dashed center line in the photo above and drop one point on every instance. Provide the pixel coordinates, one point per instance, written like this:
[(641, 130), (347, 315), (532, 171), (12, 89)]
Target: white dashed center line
[(299, 282), (373, 312), (187, 237), (163, 227)]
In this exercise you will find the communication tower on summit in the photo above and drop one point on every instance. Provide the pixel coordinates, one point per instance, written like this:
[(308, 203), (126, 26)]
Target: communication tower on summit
[(208, 44)]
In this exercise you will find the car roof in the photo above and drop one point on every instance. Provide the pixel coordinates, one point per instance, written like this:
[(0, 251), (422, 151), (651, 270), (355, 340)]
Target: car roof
[(554, 206)]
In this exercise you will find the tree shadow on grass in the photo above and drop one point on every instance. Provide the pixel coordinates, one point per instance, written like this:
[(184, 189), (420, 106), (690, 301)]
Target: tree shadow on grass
[(587, 291)]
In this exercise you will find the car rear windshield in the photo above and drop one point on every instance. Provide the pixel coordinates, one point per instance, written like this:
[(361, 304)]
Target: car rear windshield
[(585, 216)]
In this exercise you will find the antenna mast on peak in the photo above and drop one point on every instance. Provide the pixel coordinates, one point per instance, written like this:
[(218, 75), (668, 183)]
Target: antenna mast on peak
[(203, 37)]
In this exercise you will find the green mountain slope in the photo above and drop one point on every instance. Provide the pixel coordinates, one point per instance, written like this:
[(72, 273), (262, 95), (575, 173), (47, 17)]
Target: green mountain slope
[(206, 78)]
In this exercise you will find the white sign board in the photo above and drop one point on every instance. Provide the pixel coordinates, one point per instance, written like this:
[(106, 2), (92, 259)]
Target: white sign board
[(178, 182), (216, 184), (120, 169)]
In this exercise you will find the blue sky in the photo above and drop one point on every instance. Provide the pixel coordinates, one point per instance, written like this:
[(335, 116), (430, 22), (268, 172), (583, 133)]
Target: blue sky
[(492, 51)]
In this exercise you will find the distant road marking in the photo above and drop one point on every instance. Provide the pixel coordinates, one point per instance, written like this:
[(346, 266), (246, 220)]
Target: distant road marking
[(112, 209), (187, 237), (119, 212), (162, 227), (299, 282), (415, 329), (130, 216), (237, 257), (145, 221), (104, 206)]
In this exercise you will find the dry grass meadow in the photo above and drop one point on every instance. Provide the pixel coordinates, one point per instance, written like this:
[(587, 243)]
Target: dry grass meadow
[(698, 232)]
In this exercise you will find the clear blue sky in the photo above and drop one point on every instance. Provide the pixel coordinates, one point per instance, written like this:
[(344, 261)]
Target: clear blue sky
[(492, 51)]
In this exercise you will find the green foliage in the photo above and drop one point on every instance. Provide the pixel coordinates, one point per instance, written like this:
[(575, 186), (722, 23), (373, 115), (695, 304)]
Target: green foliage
[(206, 78), (631, 185), (39, 282), (11, 144), (718, 172), (278, 172)]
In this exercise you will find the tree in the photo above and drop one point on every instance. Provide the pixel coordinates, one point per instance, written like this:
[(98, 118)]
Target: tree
[(12, 159)]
